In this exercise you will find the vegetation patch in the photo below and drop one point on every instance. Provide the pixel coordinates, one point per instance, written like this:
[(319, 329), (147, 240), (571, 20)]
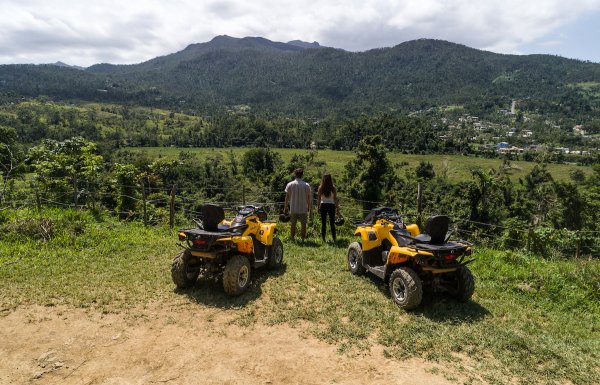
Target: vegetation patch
[(506, 77)]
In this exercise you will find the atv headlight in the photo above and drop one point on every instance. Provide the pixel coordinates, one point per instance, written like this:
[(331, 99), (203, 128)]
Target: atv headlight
[(182, 236)]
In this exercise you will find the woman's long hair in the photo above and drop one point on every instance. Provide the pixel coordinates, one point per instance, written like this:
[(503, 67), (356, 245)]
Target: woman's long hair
[(326, 187)]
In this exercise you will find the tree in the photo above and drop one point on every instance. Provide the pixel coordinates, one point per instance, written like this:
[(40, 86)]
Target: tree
[(540, 192), (571, 208), (127, 177), (260, 162), (483, 198), (370, 174), (424, 171), (66, 168), (10, 158)]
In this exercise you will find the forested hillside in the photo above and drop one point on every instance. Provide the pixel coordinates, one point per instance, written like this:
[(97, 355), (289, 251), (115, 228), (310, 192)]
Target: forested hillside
[(292, 79)]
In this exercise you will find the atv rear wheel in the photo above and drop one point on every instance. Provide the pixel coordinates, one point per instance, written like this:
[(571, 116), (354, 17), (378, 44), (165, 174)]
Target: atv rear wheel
[(355, 261), (183, 271), (236, 277), (275, 254), (465, 284), (406, 288)]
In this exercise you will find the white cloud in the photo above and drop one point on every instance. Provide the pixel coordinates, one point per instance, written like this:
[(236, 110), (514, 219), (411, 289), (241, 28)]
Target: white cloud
[(132, 31)]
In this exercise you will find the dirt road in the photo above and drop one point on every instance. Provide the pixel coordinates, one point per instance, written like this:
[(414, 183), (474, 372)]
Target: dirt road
[(180, 344)]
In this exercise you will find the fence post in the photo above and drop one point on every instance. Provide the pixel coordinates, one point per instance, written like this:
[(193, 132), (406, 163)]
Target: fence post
[(144, 204), (244, 195), (172, 208), (419, 203), (529, 236)]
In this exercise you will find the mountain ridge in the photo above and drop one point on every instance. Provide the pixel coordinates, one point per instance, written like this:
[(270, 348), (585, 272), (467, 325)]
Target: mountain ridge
[(295, 77)]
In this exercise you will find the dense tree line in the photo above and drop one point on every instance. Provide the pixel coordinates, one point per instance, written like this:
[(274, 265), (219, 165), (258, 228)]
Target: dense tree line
[(115, 126)]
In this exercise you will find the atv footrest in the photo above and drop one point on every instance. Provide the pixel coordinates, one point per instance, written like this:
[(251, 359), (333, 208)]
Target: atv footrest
[(259, 263), (377, 270)]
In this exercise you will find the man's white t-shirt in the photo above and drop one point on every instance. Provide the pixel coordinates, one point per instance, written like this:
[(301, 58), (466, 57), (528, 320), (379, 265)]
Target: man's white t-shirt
[(298, 194)]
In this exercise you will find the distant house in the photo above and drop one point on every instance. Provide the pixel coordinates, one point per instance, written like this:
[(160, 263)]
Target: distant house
[(579, 130), (510, 150), (536, 148), (527, 134), (502, 145)]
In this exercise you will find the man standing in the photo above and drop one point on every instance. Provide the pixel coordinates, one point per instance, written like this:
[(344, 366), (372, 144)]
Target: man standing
[(298, 200)]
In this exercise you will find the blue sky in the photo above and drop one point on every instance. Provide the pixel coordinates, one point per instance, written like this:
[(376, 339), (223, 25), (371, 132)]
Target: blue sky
[(579, 39), (123, 32)]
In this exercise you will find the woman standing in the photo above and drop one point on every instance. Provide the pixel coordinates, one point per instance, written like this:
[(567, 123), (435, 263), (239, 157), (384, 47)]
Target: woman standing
[(328, 204)]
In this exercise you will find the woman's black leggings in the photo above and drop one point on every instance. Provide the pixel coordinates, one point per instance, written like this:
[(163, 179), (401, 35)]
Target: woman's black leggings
[(328, 209)]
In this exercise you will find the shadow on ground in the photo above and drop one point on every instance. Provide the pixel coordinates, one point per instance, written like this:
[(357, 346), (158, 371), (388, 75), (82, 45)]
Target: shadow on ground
[(442, 307), (209, 292)]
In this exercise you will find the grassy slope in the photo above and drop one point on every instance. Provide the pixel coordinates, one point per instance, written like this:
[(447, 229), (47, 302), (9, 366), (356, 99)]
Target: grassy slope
[(531, 320), (458, 167)]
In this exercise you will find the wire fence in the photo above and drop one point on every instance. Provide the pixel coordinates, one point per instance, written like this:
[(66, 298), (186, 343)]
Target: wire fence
[(153, 204)]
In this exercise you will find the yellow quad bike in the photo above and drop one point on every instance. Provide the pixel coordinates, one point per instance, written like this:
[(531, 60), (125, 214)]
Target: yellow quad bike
[(407, 259), (227, 248)]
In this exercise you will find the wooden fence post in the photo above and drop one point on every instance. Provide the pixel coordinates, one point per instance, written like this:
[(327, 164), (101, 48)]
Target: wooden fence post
[(419, 203), (529, 236), (172, 208)]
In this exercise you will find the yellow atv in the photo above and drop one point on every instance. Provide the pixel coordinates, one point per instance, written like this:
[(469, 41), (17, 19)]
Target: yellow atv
[(407, 259), (231, 248)]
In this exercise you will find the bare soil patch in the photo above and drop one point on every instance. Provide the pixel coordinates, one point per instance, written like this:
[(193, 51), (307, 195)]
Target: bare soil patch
[(181, 344)]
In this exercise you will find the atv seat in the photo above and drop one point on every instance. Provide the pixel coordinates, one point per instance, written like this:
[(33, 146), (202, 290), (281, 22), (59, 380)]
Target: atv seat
[(212, 215), (435, 231), (448, 246)]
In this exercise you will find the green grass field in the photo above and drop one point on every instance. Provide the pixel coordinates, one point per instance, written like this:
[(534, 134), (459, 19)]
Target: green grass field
[(457, 167), (531, 320)]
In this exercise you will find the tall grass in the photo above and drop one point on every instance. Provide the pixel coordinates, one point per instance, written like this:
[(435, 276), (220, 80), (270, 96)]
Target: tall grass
[(531, 320)]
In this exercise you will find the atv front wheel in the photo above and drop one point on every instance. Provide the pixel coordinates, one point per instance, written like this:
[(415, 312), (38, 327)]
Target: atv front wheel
[(183, 271), (236, 277), (276, 254), (406, 288), (355, 261), (465, 284)]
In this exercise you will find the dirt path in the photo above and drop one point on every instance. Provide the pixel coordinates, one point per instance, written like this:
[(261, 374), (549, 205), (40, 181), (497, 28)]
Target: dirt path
[(179, 344)]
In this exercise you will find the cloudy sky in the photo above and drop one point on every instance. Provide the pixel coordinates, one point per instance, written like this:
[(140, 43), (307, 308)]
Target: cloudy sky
[(131, 31)]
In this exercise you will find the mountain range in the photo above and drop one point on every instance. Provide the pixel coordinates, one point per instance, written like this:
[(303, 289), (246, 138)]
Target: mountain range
[(300, 78)]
